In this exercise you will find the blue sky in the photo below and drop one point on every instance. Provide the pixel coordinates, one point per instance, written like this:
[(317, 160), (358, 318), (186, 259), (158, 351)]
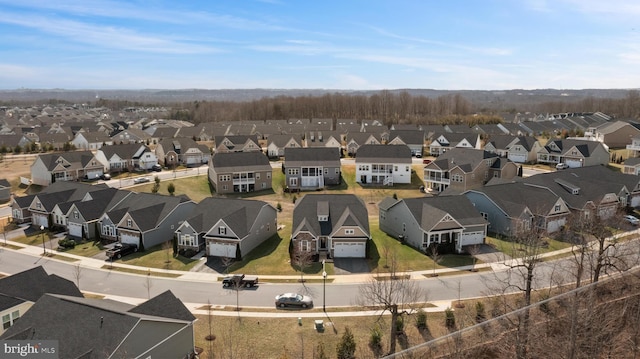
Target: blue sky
[(346, 44)]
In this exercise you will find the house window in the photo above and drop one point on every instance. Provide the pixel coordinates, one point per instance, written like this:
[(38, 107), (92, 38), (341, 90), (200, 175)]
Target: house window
[(304, 246), (38, 205), (383, 214), (187, 240), (395, 168), (293, 171), (268, 175), (222, 230), (557, 208), (225, 187), (406, 169), (258, 175), (75, 214), (224, 178), (10, 319), (326, 171), (337, 170), (349, 231), (485, 216), (404, 227), (129, 223), (293, 182)]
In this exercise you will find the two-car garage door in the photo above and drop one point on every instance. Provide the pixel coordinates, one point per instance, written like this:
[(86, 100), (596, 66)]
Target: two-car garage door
[(349, 249), (130, 237), (221, 249), (471, 238)]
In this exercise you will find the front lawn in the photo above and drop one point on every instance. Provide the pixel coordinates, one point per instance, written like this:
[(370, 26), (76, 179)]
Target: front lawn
[(161, 257), (86, 249)]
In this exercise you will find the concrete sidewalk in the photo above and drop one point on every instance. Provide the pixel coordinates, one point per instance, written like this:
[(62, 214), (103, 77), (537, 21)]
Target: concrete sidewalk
[(199, 308)]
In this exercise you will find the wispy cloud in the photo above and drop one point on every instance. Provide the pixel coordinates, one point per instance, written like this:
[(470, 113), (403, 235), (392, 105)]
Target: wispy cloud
[(125, 10), (106, 36), (478, 50)]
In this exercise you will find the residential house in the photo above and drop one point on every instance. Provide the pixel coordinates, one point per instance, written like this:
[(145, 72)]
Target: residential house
[(632, 166), (461, 169), (521, 149), (5, 190), (277, 143), (575, 153), (20, 209), (54, 141), (383, 164), (145, 219), (615, 134), (237, 143), (425, 221), (594, 191), (311, 168), (129, 135), (442, 142), (43, 204), (331, 226), (126, 157), (356, 139), (240, 172), (227, 227), (634, 147), (161, 327), (182, 151), (82, 216), (414, 139), (91, 140), (18, 293), (323, 138), (514, 208), (65, 166), (12, 142)]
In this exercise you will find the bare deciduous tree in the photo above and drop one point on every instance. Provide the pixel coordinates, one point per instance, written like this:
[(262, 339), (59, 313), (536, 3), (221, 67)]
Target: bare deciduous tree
[(301, 259), (396, 294)]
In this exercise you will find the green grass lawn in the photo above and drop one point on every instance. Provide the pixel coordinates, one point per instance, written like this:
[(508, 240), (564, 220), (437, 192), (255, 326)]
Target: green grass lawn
[(197, 188), (509, 248), (87, 249), (161, 257)]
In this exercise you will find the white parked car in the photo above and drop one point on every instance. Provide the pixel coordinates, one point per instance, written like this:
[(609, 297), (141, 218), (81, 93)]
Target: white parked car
[(141, 180), (631, 219), (562, 166)]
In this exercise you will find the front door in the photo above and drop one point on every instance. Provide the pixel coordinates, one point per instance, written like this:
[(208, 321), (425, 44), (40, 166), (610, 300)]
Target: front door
[(363, 179), (323, 243)]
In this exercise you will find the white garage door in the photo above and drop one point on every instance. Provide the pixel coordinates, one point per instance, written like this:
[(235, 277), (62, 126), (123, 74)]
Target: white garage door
[(94, 174), (349, 250), (518, 158), (131, 238), (40, 220), (554, 226), (573, 163), (472, 238), (75, 229), (635, 201), (222, 250)]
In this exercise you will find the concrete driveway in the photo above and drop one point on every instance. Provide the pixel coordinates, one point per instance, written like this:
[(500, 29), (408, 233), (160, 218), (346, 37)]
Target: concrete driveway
[(488, 254), (350, 266)]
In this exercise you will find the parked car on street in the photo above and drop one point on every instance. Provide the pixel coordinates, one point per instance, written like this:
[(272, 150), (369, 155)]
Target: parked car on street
[(141, 180), (156, 168), (239, 280), (293, 300), (106, 176), (631, 219)]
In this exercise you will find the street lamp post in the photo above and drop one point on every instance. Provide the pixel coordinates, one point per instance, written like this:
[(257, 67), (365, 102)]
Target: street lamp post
[(44, 251), (324, 288)]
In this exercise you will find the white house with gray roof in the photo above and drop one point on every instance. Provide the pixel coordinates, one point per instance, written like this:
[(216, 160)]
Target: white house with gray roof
[(65, 166), (425, 221), (575, 153), (383, 164)]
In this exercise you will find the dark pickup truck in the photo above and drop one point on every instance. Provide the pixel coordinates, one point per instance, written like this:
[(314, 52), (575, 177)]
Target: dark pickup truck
[(240, 280), (121, 249)]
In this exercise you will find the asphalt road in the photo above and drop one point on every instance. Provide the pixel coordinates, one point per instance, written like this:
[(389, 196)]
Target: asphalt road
[(119, 284)]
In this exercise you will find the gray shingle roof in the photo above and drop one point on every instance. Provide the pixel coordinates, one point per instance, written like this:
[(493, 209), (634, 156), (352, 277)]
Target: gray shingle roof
[(238, 214), (384, 154), (240, 159), (320, 154), (428, 211), (33, 283), (343, 208)]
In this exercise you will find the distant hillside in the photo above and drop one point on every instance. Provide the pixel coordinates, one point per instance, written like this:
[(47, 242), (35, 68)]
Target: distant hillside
[(491, 99)]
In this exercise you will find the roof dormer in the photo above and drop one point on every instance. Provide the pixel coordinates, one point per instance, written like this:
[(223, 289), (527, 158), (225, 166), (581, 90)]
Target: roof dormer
[(323, 211)]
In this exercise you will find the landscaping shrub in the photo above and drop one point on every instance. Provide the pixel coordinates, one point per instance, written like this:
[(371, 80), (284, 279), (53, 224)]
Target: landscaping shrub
[(450, 318), (375, 339), (480, 313), (66, 243), (421, 319)]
